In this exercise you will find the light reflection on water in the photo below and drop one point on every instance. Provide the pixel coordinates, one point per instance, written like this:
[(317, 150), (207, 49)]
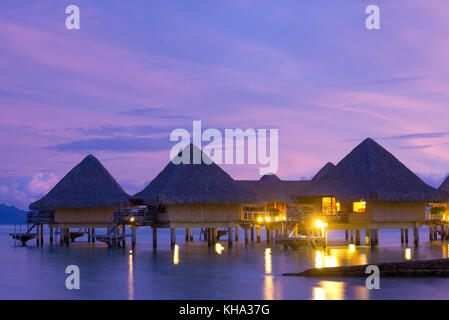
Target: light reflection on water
[(241, 272)]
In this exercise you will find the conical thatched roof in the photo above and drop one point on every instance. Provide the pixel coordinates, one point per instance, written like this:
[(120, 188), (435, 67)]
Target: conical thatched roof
[(323, 171), (445, 185), (270, 189), (88, 185), (201, 183), (372, 173)]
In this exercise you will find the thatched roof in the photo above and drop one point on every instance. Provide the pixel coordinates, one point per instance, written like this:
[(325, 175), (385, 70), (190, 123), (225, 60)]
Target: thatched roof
[(445, 185), (88, 185), (201, 183), (323, 171), (270, 189), (372, 173)]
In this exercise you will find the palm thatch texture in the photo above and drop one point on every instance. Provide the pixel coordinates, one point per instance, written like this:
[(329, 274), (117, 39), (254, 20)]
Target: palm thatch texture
[(88, 185), (323, 171), (190, 183), (445, 185), (372, 173), (272, 189)]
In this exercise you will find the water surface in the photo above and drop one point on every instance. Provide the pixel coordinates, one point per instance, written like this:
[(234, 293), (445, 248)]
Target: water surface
[(199, 272)]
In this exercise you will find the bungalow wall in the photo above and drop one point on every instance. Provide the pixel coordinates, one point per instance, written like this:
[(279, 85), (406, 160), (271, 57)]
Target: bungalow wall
[(201, 213), (390, 212), (84, 215)]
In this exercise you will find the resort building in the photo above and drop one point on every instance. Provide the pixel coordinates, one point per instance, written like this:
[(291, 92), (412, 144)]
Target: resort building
[(85, 198), (371, 189)]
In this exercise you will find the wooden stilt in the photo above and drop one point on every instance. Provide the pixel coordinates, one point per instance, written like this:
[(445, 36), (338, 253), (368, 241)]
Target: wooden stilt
[(252, 233), (246, 236), (215, 235), (133, 235), (357, 237), (267, 234), (236, 233), (187, 235), (42, 234), (88, 235), (191, 234), (258, 235), (367, 237), (61, 236), (154, 237), (415, 237), (67, 241), (402, 235), (352, 235), (230, 236), (376, 237), (51, 235), (435, 233), (406, 235), (124, 235), (430, 234), (172, 237), (346, 235), (209, 237), (93, 234), (372, 242)]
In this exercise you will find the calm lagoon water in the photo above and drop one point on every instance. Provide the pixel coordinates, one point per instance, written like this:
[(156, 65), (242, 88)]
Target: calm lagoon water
[(250, 272)]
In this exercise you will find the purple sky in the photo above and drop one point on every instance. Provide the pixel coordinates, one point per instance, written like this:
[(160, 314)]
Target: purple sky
[(137, 69)]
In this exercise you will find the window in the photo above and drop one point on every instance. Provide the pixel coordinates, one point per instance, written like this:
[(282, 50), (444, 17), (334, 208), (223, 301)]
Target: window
[(360, 206), (329, 205)]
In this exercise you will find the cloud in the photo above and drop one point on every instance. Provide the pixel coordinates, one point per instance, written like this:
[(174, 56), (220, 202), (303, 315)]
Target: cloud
[(117, 144), (153, 113), (112, 130), (41, 183), (417, 136)]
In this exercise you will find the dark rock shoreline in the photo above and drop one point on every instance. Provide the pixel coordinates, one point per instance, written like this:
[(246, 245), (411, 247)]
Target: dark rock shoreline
[(417, 269)]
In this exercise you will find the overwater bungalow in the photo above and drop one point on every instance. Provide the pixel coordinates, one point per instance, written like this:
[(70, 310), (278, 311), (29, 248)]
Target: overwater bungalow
[(85, 198), (193, 196), (371, 189)]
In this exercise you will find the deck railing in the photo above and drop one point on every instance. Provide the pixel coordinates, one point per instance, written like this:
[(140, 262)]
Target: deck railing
[(40, 217)]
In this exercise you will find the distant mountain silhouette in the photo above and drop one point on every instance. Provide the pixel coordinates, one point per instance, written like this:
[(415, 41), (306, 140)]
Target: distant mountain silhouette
[(11, 215)]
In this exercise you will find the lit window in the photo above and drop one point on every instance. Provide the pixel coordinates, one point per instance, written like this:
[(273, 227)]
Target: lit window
[(360, 206)]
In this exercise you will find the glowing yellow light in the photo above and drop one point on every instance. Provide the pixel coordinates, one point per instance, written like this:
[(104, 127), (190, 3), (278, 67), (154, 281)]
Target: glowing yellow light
[(277, 218), (132, 219), (408, 254), (219, 248), (359, 206), (176, 255), (259, 219), (268, 260), (130, 252), (267, 219), (320, 224), (318, 260), (351, 248), (284, 218)]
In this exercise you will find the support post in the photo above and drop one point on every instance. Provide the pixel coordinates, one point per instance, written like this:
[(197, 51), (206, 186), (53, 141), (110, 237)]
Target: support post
[(67, 241), (230, 236), (93, 235), (352, 235), (236, 233), (133, 236), (367, 237), (357, 237), (154, 237), (191, 234), (430, 234), (346, 235), (246, 236), (37, 235), (51, 235), (415, 237), (88, 235), (209, 237), (402, 236), (372, 238), (61, 236), (258, 234), (376, 237), (172, 237), (406, 235), (252, 233), (187, 235), (267, 234), (124, 235)]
